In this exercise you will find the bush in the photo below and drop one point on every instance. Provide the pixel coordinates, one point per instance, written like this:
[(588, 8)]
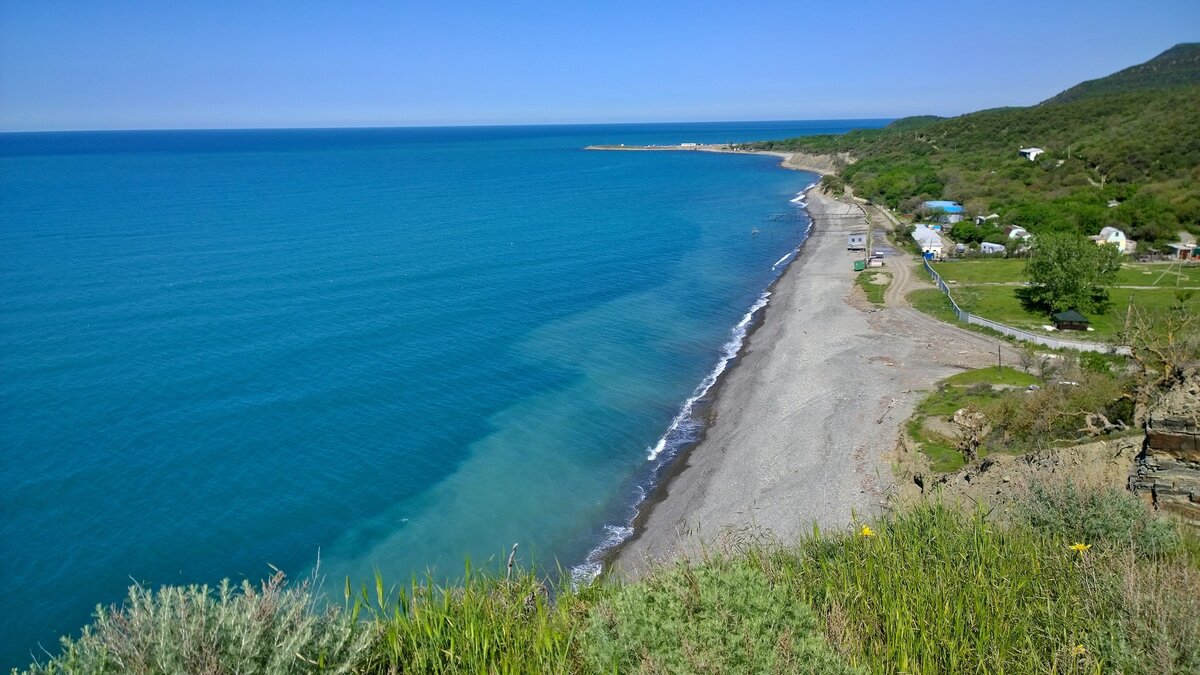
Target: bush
[(721, 616), (272, 629), (1104, 516)]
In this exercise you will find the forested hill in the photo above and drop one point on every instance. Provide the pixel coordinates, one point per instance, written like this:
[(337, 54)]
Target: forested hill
[(1178, 66), (1133, 137)]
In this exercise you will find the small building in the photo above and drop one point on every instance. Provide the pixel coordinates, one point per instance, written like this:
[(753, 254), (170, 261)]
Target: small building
[(688, 145), (928, 241), (1112, 236), (1031, 154), (1015, 232), (951, 212), (856, 242), (980, 220), (1070, 320), (990, 248), (1183, 251)]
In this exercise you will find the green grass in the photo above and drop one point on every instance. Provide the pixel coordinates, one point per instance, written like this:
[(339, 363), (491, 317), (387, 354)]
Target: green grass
[(943, 455), (981, 271), (934, 303), (1161, 275), (927, 589), (1004, 376), (1000, 303), (873, 290), (976, 388)]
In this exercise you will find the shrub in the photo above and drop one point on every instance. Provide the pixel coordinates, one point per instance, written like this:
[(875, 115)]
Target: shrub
[(721, 616), (271, 629), (1106, 516)]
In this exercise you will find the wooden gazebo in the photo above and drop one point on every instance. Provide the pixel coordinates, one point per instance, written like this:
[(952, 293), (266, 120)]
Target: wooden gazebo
[(1070, 320)]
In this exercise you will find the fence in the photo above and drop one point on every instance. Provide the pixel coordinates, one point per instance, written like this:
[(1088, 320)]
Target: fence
[(1046, 341)]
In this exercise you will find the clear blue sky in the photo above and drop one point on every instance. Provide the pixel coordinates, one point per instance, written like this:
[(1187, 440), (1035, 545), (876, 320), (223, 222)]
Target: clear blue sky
[(104, 64)]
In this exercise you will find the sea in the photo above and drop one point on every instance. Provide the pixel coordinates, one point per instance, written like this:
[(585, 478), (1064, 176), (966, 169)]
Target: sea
[(339, 352)]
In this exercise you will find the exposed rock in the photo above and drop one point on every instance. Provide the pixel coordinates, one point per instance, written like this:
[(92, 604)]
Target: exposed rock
[(1168, 468), (1000, 479)]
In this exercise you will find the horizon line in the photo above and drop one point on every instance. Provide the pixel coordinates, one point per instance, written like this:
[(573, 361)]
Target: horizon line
[(436, 126)]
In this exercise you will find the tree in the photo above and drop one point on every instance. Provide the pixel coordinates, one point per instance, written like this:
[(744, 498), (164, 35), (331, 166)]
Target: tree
[(1067, 271), (1164, 345)]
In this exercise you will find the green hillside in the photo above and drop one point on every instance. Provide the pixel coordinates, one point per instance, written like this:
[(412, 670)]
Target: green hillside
[(1178, 66), (1133, 137)]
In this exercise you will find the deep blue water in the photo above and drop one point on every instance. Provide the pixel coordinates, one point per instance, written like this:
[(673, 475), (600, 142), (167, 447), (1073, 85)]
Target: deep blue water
[(389, 348)]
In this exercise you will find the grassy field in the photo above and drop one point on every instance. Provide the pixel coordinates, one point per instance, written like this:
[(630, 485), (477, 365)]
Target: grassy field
[(1159, 275), (1000, 303), (999, 271), (1068, 582), (975, 290), (981, 271), (867, 280)]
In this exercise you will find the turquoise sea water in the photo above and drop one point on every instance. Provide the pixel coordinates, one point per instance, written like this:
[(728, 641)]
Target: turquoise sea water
[(390, 348)]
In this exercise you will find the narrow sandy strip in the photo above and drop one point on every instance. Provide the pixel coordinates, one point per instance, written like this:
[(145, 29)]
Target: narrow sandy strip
[(805, 418)]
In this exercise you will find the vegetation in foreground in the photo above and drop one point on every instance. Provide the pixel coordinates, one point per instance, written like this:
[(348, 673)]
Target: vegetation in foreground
[(1069, 582)]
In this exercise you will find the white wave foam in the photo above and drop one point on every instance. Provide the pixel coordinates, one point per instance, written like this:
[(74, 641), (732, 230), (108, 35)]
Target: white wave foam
[(784, 258), (728, 351), (585, 572)]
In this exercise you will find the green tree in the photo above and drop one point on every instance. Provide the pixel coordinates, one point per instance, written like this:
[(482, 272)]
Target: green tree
[(1067, 271)]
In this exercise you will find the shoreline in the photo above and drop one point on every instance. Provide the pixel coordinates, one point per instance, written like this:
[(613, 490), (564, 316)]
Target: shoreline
[(822, 165), (793, 432), (695, 409), (703, 407)]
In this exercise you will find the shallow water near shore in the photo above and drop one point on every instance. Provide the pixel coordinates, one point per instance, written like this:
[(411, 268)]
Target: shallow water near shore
[(391, 349)]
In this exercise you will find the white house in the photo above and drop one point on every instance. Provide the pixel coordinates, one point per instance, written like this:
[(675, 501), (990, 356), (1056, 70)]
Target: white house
[(1114, 237), (928, 240), (989, 247), (1031, 154), (1019, 233), (980, 220)]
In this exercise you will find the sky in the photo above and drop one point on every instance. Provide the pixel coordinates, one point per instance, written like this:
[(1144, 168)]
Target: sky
[(132, 64)]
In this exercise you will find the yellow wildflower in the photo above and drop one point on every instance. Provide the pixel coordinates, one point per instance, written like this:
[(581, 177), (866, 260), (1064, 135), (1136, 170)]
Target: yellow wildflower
[(1078, 650), (1081, 548), (866, 532)]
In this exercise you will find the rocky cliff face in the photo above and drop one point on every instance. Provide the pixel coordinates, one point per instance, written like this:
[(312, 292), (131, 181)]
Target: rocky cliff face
[(1167, 473)]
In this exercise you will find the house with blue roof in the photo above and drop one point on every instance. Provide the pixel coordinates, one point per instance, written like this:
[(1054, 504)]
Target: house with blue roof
[(952, 212)]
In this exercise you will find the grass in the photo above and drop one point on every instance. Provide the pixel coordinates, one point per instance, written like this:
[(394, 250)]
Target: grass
[(1000, 303), (1162, 275), (943, 455), (927, 589), (874, 291), (981, 271), (1004, 376), (934, 303), (975, 388), (1011, 270)]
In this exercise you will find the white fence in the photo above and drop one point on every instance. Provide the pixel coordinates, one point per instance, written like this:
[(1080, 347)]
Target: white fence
[(1024, 335)]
